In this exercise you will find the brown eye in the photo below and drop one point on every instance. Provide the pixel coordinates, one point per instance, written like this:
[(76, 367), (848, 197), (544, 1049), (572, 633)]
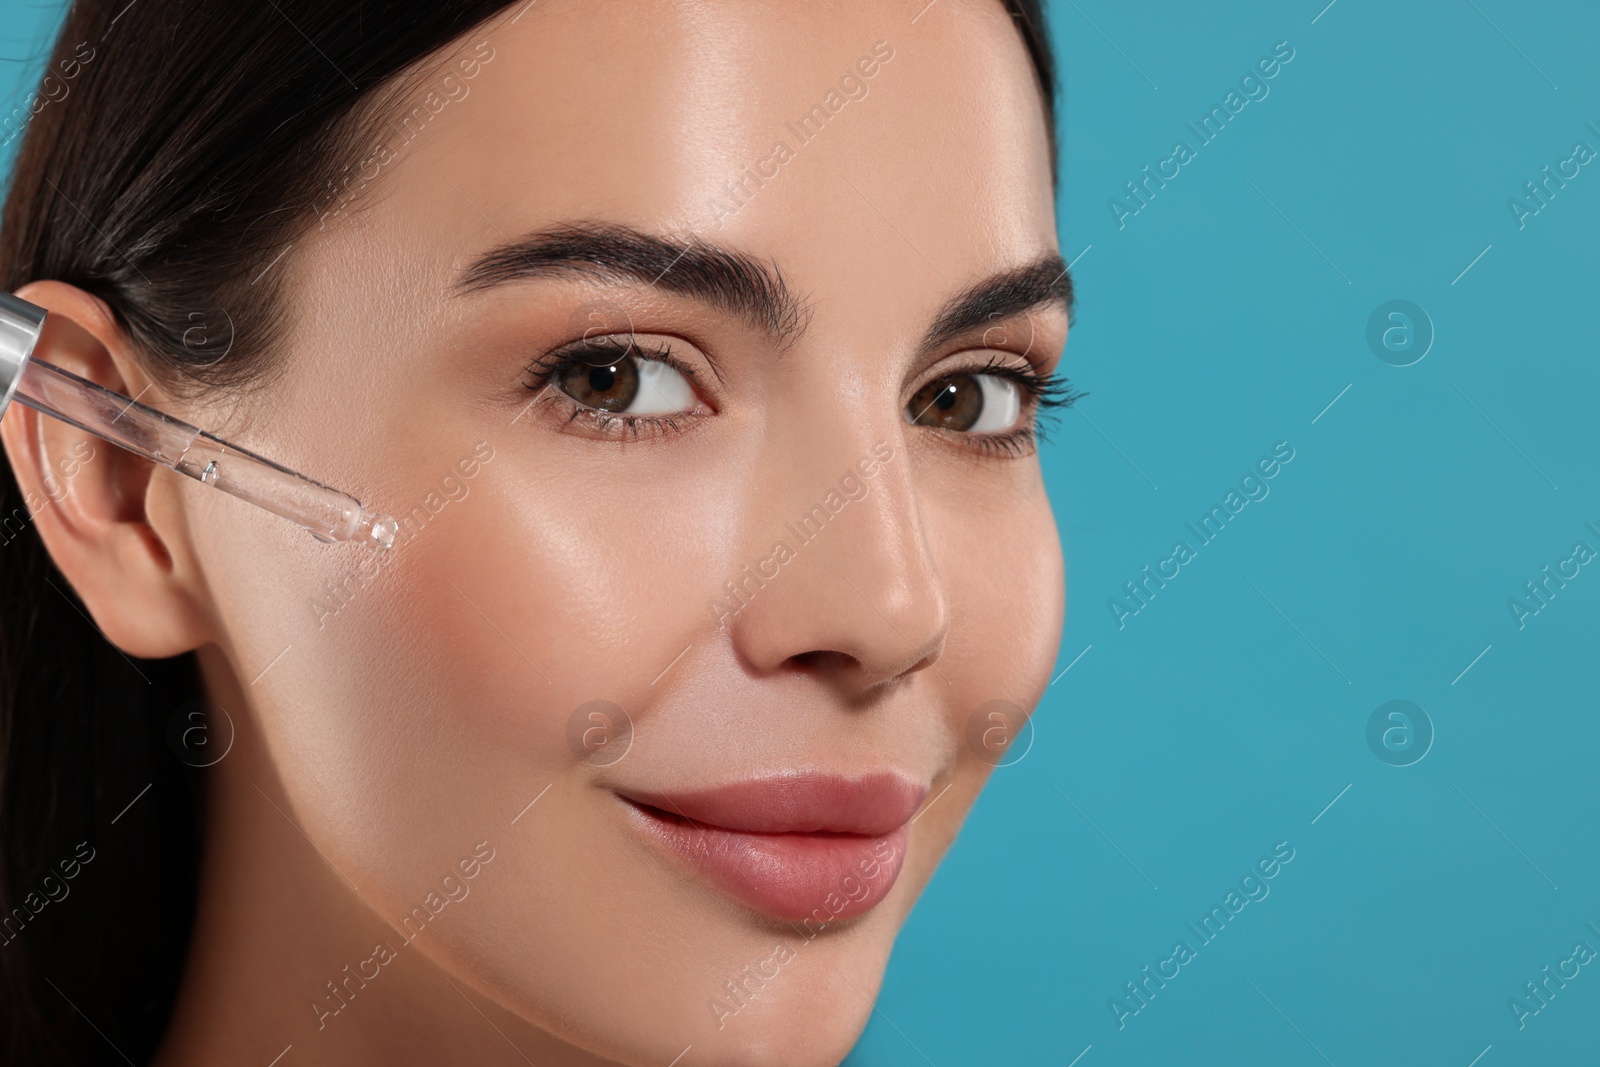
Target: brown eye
[(974, 403), (610, 386), (624, 380), (951, 403)]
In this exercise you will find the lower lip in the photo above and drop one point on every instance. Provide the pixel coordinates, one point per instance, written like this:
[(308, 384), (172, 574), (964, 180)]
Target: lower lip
[(823, 877)]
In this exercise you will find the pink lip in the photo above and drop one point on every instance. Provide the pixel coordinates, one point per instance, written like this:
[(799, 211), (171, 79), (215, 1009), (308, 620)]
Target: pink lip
[(792, 847)]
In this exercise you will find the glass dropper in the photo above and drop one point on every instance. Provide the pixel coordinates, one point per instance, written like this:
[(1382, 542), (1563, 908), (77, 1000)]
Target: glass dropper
[(327, 513)]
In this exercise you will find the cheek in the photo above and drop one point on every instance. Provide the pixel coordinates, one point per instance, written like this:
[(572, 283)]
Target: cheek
[(1003, 568), (1001, 561), (539, 607), (433, 694)]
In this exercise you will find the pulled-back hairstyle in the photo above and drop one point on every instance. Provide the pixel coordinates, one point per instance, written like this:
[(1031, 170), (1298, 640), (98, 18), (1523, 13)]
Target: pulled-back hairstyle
[(173, 150)]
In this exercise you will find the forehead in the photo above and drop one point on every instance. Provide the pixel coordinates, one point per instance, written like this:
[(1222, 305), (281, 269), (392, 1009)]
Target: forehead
[(844, 141)]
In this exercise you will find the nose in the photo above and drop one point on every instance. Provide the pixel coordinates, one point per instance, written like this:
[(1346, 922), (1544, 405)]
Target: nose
[(847, 588)]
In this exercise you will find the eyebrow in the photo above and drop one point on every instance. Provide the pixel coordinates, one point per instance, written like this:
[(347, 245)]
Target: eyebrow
[(737, 282), (721, 277), (1041, 283)]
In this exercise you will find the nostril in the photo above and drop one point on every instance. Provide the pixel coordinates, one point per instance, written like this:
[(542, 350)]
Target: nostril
[(823, 661)]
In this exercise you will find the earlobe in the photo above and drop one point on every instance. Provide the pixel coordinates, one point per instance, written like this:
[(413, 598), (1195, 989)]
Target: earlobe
[(104, 515)]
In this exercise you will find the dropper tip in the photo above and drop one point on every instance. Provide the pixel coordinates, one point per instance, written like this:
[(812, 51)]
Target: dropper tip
[(381, 530)]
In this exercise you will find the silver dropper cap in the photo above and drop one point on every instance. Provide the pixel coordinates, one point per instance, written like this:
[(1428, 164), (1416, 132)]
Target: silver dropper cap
[(20, 325)]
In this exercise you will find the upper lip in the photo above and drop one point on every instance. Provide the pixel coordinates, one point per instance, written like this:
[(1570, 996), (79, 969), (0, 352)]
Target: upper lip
[(873, 805)]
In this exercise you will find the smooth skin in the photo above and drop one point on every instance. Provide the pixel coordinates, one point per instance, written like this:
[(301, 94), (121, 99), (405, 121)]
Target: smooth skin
[(398, 733)]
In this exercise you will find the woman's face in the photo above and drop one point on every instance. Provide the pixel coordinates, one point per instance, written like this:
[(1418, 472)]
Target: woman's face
[(710, 602)]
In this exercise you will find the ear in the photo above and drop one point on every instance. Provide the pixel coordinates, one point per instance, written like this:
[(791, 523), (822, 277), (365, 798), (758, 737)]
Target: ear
[(112, 521)]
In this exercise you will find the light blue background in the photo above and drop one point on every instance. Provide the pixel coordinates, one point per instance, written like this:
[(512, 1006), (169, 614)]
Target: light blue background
[(1227, 715)]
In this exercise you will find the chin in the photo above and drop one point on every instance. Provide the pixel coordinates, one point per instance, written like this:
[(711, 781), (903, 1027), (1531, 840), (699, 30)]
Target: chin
[(813, 1023)]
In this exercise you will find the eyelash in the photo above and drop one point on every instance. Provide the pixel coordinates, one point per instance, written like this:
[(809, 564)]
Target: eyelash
[(1041, 392), (620, 427)]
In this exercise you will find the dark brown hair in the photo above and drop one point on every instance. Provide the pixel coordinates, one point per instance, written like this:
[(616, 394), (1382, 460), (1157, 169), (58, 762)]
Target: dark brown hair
[(174, 149)]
